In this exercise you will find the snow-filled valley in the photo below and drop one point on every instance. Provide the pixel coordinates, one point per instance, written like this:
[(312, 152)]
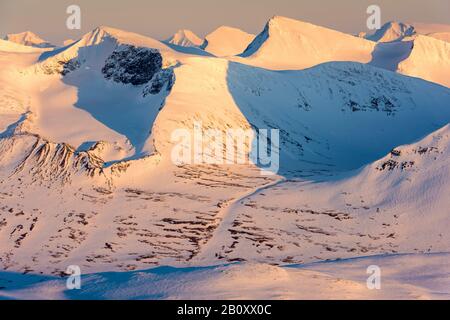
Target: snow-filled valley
[(87, 176)]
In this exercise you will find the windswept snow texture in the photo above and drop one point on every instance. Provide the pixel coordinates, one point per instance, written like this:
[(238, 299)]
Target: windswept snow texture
[(87, 175), (407, 277)]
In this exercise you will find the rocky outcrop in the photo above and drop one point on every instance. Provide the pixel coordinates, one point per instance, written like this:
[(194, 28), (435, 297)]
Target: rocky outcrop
[(132, 65), (163, 79), (62, 67)]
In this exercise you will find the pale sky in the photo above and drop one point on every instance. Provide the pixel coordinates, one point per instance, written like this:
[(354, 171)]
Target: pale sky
[(161, 18)]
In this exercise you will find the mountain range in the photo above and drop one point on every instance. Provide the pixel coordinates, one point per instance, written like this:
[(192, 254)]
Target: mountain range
[(86, 170)]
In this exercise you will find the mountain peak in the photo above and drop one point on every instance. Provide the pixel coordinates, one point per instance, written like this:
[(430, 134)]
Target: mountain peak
[(287, 43), (223, 31), (185, 38), (281, 19), (392, 31), (28, 38), (98, 35), (105, 33), (109, 31), (285, 22), (227, 41)]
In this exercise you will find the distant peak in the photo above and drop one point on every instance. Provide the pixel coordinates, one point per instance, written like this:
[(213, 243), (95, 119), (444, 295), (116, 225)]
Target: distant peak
[(24, 34), (185, 38), (224, 27), (397, 25), (101, 33), (185, 32), (392, 31), (28, 38), (228, 29)]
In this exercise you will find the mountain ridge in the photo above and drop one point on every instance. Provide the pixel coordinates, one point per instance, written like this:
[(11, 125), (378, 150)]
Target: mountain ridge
[(87, 173)]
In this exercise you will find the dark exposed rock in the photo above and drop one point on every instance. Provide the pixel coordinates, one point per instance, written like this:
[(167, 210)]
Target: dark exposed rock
[(391, 165), (132, 65), (383, 102), (70, 66), (424, 150), (62, 67), (164, 78)]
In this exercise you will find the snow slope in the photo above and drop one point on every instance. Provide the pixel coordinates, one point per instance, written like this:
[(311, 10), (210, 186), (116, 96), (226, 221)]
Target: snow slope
[(28, 38), (68, 42), (407, 277), (330, 110), (73, 102), (8, 46), (444, 36), (227, 41), (120, 216), (429, 59), (79, 133), (398, 204), (14, 100)]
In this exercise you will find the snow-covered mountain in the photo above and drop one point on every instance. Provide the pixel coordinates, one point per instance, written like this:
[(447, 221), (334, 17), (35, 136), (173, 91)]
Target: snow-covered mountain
[(429, 59), (103, 54), (287, 44), (393, 31), (291, 44), (227, 41), (185, 38), (86, 143), (396, 204), (399, 31), (28, 38)]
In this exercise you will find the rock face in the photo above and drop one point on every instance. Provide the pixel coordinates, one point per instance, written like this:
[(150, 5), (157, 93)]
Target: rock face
[(133, 65), (164, 78), (60, 66)]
